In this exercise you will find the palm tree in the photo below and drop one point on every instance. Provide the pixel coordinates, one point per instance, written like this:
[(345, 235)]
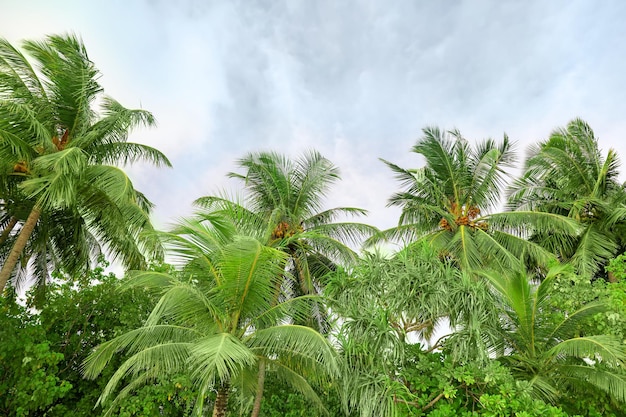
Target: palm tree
[(283, 209), (567, 175), (448, 202), (548, 353), (59, 151), (217, 321)]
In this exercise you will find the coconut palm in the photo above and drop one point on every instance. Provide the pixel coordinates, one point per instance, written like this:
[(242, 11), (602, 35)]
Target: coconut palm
[(59, 151), (282, 207), (448, 202), (218, 322), (550, 354), (567, 175)]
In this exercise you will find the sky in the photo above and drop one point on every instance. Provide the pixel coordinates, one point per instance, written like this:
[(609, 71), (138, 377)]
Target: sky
[(356, 80)]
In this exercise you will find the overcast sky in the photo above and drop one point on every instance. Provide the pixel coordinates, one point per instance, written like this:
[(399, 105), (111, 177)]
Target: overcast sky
[(356, 80)]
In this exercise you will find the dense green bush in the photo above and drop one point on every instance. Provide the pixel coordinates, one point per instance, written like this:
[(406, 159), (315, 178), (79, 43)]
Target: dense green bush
[(41, 353), (29, 366)]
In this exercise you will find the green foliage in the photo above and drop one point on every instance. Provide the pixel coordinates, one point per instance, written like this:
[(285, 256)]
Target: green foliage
[(280, 400), (215, 323), (570, 293), (512, 404), (42, 353), (431, 384), (549, 350), (29, 368), (57, 175), (443, 388), (447, 203), (617, 266), (385, 305), (568, 175), (82, 313), (167, 396)]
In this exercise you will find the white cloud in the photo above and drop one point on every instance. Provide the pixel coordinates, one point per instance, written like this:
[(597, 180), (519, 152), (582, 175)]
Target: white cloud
[(356, 80)]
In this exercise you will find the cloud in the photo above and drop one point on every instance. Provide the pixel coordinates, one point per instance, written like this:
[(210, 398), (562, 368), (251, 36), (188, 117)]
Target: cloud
[(356, 80)]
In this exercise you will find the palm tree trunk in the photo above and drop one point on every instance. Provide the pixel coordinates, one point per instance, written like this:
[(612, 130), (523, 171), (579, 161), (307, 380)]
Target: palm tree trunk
[(221, 401), (18, 246), (300, 274), (612, 277), (7, 230), (256, 409)]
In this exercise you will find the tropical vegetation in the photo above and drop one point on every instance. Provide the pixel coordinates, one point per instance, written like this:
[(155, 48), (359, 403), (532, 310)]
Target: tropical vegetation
[(222, 320), (63, 198), (282, 207), (503, 296), (567, 175), (449, 203)]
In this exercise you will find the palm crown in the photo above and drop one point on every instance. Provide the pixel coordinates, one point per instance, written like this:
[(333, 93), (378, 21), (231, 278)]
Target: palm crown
[(57, 154), (219, 322), (447, 202), (283, 209), (568, 175), (547, 353)]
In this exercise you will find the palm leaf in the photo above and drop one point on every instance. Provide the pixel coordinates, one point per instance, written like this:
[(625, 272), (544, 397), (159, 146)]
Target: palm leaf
[(613, 383), (299, 346), (136, 341), (218, 358), (608, 349), (299, 384)]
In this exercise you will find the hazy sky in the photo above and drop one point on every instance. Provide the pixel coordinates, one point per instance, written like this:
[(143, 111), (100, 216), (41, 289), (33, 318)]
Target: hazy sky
[(356, 80)]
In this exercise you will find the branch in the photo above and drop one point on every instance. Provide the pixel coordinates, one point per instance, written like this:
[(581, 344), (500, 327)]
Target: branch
[(433, 402), (417, 326), (437, 343), (416, 404)]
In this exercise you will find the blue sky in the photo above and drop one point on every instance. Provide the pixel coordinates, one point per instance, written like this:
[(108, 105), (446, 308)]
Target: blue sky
[(356, 80)]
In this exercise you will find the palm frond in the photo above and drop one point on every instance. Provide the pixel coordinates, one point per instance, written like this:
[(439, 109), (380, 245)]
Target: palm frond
[(343, 233), (218, 358), (249, 272), (312, 178), (463, 246), (69, 77), (518, 221), (320, 243), (607, 349), (299, 384), (333, 214), (57, 180), (135, 341), (170, 356), (299, 346), (593, 249), (17, 75), (487, 166), (570, 323), (611, 382)]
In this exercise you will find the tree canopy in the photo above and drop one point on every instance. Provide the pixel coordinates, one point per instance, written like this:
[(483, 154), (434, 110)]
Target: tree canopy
[(276, 305), (63, 195)]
